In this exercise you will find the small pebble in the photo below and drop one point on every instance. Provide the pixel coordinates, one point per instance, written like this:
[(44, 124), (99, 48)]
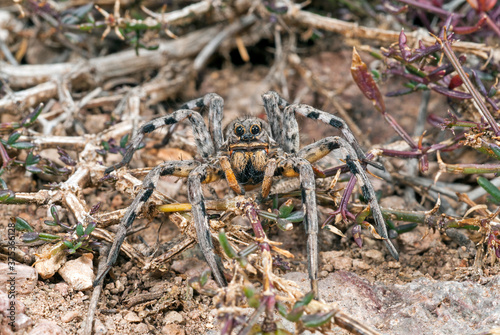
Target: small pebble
[(49, 265), (99, 328), (394, 265), (141, 328), (25, 278), (62, 289), (323, 274), (70, 316), (132, 317), (46, 327), (172, 329), (375, 255), (342, 263), (360, 265), (22, 322), (173, 317), (79, 273)]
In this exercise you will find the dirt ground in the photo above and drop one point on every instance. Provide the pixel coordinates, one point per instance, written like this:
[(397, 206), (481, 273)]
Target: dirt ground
[(135, 301)]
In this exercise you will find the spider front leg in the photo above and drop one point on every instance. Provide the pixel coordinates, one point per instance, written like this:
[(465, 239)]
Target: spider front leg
[(289, 168), (215, 110), (198, 176), (200, 132), (319, 149), (175, 168), (282, 124)]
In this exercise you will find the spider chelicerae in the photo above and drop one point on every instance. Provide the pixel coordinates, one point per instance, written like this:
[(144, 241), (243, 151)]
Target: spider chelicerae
[(250, 152)]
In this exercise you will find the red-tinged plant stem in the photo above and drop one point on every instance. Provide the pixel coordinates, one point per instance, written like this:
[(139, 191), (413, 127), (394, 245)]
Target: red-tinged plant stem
[(343, 204), (5, 156), (491, 24), (480, 105), (429, 8)]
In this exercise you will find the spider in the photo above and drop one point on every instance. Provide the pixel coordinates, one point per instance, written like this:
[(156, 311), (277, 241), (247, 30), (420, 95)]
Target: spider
[(248, 153)]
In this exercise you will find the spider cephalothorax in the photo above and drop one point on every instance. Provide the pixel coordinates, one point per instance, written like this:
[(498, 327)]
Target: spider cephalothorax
[(250, 152), (248, 145)]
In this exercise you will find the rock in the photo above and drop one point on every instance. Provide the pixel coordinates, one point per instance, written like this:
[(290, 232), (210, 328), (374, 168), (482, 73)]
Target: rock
[(49, 260), (46, 327), (393, 265), (62, 288), (173, 317), (79, 273), (374, 255), (69, 316), (142, 328), (12, 314), (424, 305), (132, 317), (342, 263), (172, 329), (22, 322), (191, 267), (328, 257), (99, 328), (360, 265), (22, 278)]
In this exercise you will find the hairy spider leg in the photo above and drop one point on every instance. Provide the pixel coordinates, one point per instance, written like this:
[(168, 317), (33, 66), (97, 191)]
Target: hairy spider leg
[(199, 175), (230, 176), (267, 182), (290, 168), (321, 148), (273, 104), (201, 135), (174, 168), (215, 113)]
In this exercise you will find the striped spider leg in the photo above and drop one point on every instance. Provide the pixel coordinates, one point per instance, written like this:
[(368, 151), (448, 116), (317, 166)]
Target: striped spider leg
[(196, 172), (285, 130)]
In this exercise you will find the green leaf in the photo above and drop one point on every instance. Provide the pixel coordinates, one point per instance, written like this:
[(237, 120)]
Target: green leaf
[(305, 300), (49, 237), (32, 159), (33, 169), (78, 245), (13, 138), (105, 145), (249, 291), (316, 320), (33, 116), (124, 141), (90, 228), (29, 237), (489, 187), (50, 223), (226, 246), (22, 145), (281, 309), (204, 277), (68, 244), (295, 314), (22, 225), (404, 228), (295, 217), (54, 213), (6, 195), (79, 229), (286, 209)]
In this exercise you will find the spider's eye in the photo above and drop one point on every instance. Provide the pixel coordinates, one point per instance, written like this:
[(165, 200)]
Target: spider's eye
[(239, 130), (255, 129)]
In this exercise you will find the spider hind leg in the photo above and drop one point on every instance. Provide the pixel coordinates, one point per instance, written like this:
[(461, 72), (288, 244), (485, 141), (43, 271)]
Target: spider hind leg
[(175, 168)]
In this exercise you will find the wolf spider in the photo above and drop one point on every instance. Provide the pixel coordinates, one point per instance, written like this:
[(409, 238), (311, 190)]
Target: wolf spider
[(249, 153)]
